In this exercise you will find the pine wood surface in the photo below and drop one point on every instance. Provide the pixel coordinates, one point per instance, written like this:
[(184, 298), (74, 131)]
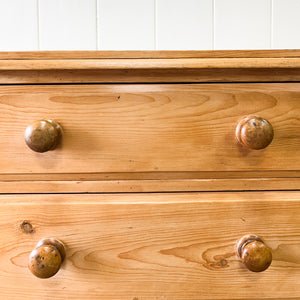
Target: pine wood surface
[(149, 76), (149, 66), (151, 246), (150, 128), (149, 54), (133, 138), (148, 182), (150, 175), (151, 185)]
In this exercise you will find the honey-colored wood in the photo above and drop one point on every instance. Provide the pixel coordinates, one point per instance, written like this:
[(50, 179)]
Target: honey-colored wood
[(254, 253), (150, 128), (45, 260), (254, 132), (130, 137), (149, 54), (145, 246), (146, 76), (150, 176), (150, 185), (150, 64), (161, 66), (43, 135), (148, 182)]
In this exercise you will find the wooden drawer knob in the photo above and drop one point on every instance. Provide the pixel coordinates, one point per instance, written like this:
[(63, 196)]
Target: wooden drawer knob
[(254, 132), (254, 253), (45, 260), (43, 135)]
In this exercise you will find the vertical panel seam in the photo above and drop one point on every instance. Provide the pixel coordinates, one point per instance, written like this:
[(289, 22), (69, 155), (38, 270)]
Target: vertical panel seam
[(213, 24), (272, 24), (97, 41), (155, 26), (38, 22)]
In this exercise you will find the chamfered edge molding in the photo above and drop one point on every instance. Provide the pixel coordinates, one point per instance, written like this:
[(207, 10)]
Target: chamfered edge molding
[(149, 66)]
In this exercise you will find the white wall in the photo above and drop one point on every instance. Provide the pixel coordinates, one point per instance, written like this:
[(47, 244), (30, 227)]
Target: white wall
[(149, 24)]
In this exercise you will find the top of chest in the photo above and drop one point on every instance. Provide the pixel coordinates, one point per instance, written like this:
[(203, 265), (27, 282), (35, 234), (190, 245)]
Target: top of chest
[(149, 66)]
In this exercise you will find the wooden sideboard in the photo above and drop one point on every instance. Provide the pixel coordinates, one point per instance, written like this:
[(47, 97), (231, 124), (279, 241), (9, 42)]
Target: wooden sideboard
[(145, 175)]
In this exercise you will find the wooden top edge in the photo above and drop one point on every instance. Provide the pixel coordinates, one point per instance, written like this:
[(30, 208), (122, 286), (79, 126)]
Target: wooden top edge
[(151, 64), (47, 55)]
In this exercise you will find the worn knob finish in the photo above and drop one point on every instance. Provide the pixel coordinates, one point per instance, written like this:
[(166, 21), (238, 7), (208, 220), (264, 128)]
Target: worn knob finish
[(254, 132), (254, 253), (43, 135), (45, 260)]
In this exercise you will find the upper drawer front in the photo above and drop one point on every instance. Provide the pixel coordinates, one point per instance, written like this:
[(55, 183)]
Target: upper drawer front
[(150, 128), (151, 246)]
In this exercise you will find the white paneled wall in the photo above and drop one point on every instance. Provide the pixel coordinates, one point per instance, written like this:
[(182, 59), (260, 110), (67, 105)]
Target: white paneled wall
[(67, 25), (127, 24), (149, 24), (286, 24), (184, 24), (241, 24), (18, 25)]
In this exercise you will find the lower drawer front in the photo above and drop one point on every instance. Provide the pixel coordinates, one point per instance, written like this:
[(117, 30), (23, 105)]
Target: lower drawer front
[(151, 246)]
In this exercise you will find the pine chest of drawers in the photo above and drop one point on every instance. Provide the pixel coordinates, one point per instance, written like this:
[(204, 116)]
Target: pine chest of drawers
[(150, 175)]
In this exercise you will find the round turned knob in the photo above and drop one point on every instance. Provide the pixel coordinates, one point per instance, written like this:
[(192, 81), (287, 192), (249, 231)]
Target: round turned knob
[(43, 135), (254, 132), (254, 253), (45, 260)]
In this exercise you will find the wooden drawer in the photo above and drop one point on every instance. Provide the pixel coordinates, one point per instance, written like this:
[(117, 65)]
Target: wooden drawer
[(150, 128), (151, 246)]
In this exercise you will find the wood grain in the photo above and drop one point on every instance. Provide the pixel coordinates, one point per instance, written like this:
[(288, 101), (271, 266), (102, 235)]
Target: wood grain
[(146, 76), (150, 176), (149, 54), (151, 246), (143, 185), (149, 66), (150, 128)]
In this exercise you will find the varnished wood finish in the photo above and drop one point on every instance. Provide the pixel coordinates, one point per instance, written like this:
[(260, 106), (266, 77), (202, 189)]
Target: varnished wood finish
[(149, 54), (254, 253), (150, 128), (149, 182), (254, 132), (43, 135), (149, 66), (45, 260), (150, 176), (151, 245), (165, 122), (149, 76), (150, 185)]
